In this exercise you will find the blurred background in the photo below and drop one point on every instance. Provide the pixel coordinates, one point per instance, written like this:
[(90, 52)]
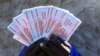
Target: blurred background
[(86, 38)]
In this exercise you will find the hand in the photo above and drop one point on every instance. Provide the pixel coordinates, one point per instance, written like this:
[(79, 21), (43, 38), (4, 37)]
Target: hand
[(55, 46), (35, 49)]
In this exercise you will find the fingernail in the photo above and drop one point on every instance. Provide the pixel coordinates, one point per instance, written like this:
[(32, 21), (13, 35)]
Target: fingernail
[(41, 44)]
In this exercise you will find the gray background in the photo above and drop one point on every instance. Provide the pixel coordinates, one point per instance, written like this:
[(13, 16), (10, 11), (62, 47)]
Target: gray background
[(86, 38)]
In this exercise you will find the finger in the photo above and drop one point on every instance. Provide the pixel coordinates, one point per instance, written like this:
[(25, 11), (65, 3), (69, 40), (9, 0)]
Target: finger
[(66, 48), (57, 40), (59, 44), (61, 47), (64, 42), (34, 47), (42, 54), (35, 51), (38, 49), (55, 49), (30, 50), (46, 49)]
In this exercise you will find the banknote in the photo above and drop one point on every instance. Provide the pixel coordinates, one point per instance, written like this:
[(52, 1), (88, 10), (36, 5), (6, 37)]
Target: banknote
[(31, 15), (42, 20), (66, 25), (22, 22), (21, 40), (16, 31)]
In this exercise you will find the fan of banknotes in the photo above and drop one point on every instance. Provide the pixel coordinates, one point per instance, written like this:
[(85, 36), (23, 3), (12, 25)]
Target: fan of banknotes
[(41, 21)]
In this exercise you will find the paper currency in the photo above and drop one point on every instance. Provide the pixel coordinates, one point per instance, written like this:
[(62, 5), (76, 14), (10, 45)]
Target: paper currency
[(24, 26), (41, 21), (16, 31)]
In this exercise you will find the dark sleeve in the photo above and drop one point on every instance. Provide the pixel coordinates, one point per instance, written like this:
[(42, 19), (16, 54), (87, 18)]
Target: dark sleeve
[(22, 51), (74, 51)]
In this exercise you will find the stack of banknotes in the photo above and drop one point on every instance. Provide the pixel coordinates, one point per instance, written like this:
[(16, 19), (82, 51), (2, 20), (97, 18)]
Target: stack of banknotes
[(41, 21)]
